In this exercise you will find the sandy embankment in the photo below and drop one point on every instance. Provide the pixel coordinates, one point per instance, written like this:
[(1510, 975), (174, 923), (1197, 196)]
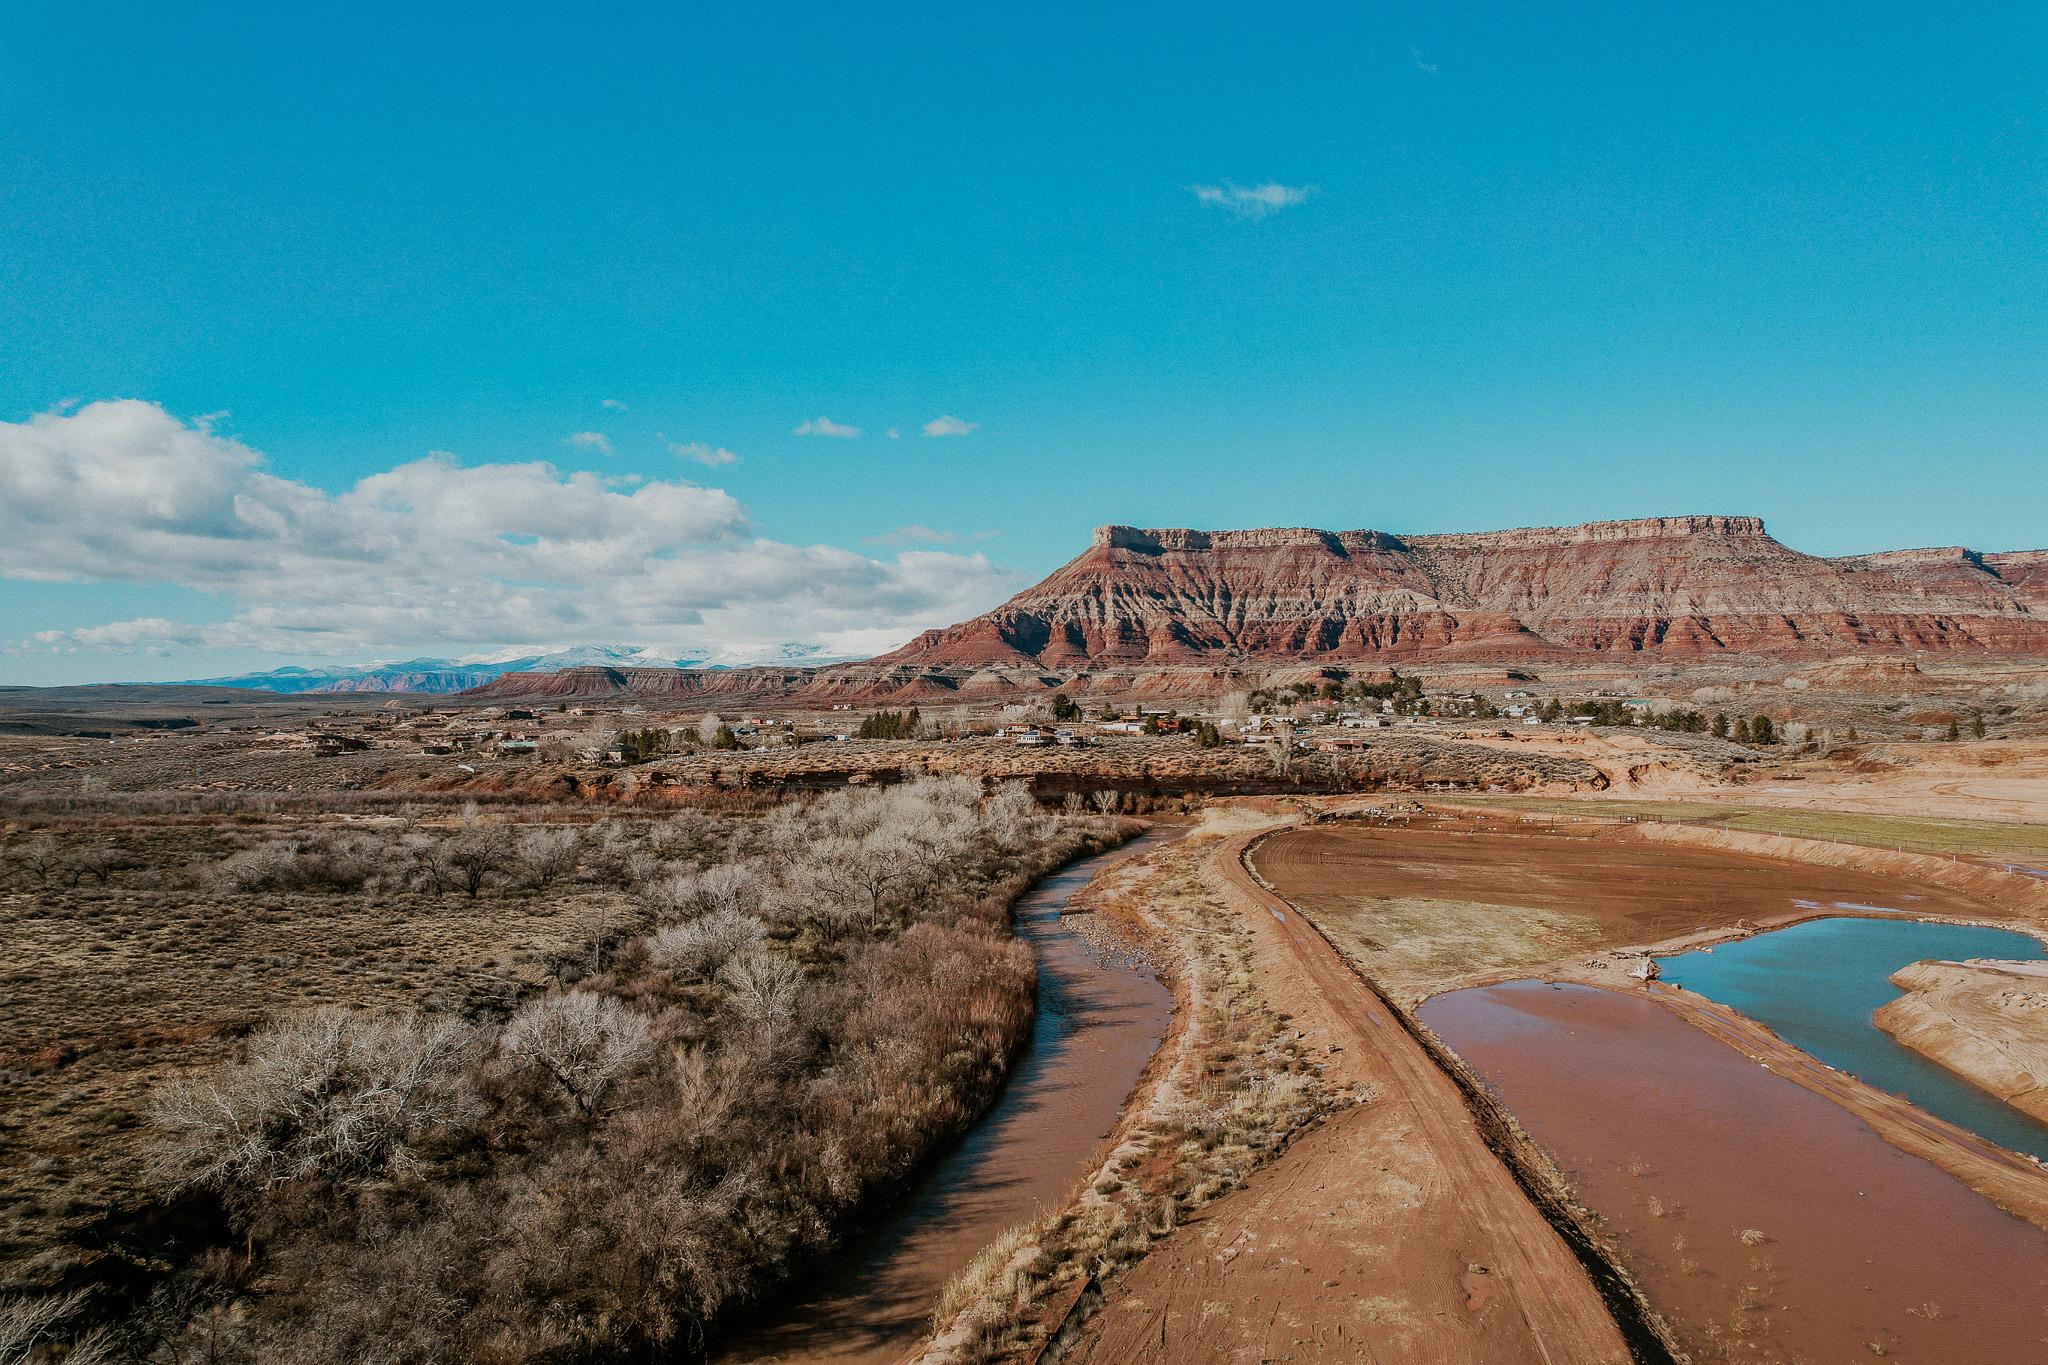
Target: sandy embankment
[(1391, 1232), (1985, 1021)]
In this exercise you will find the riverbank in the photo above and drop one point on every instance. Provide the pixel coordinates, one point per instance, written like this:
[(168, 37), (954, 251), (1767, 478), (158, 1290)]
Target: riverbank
[(1985, 1021), (1099, 1017), (1384, 1230)]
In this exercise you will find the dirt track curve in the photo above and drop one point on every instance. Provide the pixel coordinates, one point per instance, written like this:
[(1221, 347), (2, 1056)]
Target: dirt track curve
[(1392, 1233)]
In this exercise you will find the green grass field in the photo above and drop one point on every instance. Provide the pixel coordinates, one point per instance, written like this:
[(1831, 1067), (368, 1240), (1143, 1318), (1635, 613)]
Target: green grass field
[(2011, 840)]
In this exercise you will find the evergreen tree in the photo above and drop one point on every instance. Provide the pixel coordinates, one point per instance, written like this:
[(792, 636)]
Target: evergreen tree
[(1720, 725), (1977, 727)]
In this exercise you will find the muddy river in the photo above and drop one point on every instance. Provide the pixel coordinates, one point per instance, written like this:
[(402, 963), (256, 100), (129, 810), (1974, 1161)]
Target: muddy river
[(1817, 984), (1763, 1221), (1100, 1018)]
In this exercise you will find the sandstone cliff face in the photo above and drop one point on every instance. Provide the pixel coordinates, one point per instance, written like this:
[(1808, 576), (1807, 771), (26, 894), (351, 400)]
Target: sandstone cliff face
[(1670, 587)]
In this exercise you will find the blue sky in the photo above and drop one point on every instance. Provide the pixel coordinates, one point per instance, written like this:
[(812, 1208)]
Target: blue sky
[(1541, 265)]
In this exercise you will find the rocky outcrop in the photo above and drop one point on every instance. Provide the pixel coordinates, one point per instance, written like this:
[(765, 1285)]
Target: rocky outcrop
[(1986, 1021), (1669, 587)]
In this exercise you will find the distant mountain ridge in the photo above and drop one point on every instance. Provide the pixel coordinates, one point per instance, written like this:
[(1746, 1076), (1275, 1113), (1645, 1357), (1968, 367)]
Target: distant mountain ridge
[(442, 676), (1665, 587)]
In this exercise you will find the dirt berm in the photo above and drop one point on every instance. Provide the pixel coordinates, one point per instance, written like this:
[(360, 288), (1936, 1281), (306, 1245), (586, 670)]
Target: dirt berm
[(1392, 1232)]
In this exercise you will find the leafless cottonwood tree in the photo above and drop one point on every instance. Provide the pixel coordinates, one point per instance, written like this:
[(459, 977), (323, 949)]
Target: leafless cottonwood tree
[(330, 1093), (702, 946), (42, 858), (762, 987), (31, 1325), (477, 852), (586, 1042), (547, 854)]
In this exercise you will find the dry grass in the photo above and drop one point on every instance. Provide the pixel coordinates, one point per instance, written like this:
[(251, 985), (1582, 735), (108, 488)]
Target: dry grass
[(107, 989), (753, 1102)]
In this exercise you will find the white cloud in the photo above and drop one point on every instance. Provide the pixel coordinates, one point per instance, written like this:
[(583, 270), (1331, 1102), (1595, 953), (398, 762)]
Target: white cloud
[(592, 440), (1426, 68), (1252, 201), (894, 434), (614, 404), (700, 452), (825, 426), (948, 426), (430, 554)]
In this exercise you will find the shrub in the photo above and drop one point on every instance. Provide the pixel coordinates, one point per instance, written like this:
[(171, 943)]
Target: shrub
[(585, 1042), (701, 947), (330, 1094)]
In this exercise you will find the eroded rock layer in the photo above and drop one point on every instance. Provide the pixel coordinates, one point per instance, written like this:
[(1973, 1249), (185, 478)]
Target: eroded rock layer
[(1672, 587)]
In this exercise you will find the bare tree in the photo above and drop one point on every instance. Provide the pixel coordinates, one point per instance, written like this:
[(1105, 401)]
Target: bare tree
[(478, 851), (546, 855), (762, 987), (331, 1093), (703, 946), (31, 1326), (585, 1041), (429, 858), (43, 857), (1109, 802), (1011, 817), (707, 728)]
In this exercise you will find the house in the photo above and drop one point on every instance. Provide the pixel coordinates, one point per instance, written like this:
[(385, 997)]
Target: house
[(517, 748)]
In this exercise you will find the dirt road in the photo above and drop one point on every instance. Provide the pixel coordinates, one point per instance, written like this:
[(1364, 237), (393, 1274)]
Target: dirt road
[(1391, 1233)]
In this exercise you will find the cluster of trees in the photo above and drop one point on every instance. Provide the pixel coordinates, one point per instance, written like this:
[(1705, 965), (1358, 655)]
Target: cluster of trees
[(891, 725), (476, 856), (807, 1004), (1064, 707)]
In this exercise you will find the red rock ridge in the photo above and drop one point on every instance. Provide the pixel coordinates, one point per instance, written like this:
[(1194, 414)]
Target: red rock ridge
[(1669, 587)]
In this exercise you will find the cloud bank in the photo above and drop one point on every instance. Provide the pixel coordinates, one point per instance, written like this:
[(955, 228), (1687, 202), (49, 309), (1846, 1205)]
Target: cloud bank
[(825, 426), (948, 426), (431, 553)]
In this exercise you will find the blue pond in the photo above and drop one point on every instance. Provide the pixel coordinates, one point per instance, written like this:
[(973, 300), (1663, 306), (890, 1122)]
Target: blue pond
[(1817, 984)]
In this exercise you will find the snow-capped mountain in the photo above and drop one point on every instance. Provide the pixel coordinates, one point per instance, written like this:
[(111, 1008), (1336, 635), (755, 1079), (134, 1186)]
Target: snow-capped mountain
[(458, 675)]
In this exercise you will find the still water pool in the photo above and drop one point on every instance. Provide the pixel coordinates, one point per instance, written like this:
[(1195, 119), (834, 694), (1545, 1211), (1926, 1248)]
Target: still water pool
[(1817, 984)]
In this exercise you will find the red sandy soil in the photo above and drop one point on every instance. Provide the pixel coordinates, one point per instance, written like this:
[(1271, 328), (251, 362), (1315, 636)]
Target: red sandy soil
[(1391, 1233), (872, 1302), (1457, 899), (1684, 1145), (1634, 892), (1610, 886)]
